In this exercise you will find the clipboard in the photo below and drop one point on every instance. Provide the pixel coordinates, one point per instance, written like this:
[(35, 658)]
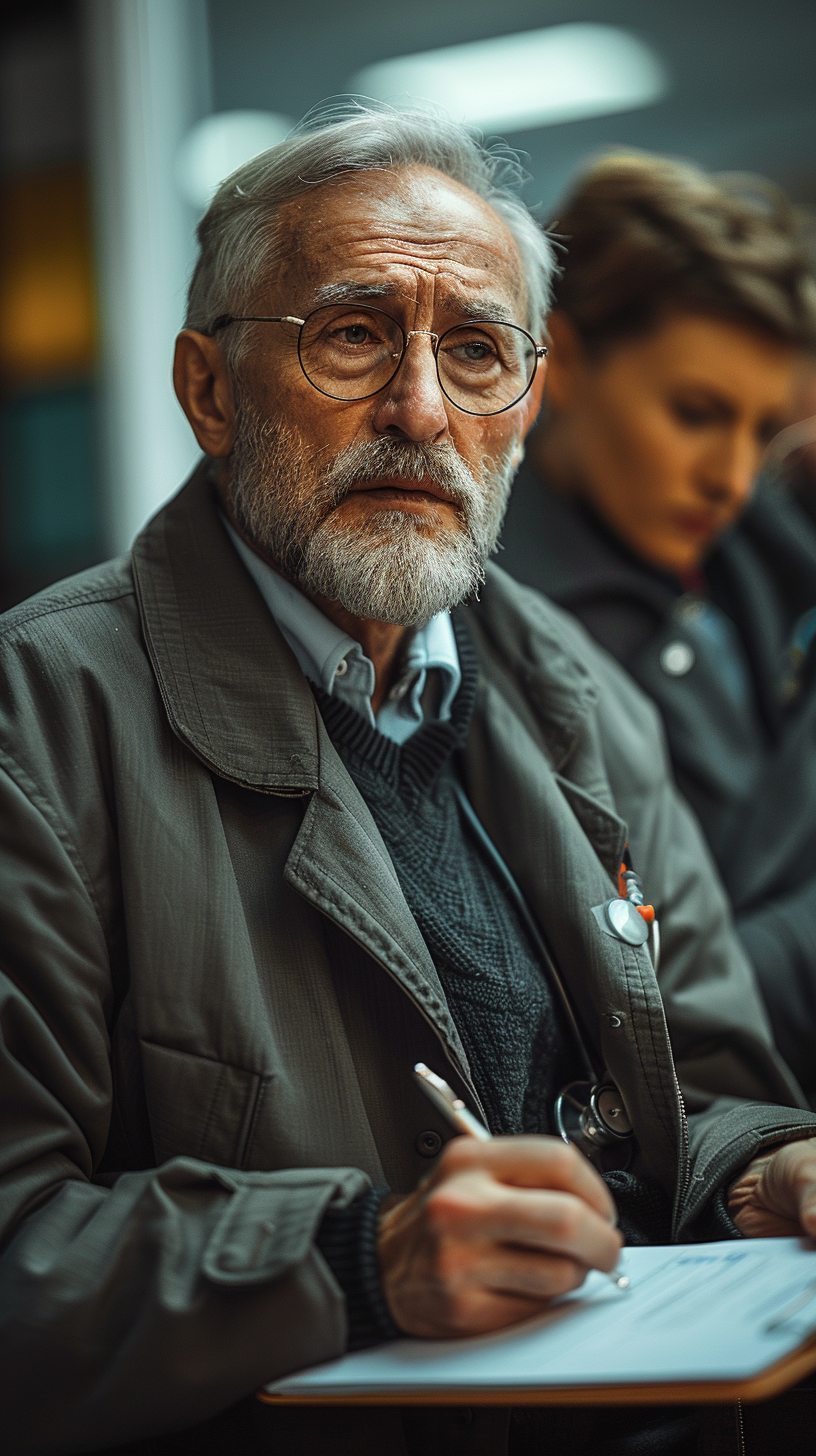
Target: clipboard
[(699, 1324)]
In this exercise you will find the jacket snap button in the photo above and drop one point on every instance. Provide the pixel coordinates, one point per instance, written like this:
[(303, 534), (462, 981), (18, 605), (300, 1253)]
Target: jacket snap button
[(428, 1144), (677, 658)]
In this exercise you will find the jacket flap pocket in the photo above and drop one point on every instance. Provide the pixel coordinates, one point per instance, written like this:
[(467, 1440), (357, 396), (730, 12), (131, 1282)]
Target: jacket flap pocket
[(267, 1230), (198, 1107)]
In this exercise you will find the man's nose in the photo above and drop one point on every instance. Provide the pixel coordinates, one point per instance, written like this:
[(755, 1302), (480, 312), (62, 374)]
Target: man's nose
[(412, 406)]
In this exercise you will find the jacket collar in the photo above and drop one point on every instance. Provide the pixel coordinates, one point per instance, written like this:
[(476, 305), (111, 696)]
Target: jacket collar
[(230, 684)]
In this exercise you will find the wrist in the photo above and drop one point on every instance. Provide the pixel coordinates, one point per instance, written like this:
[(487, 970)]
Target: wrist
[(347, 1239)]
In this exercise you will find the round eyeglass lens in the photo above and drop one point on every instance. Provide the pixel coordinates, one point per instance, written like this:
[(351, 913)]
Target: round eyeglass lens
[(484, 368), (348, 352)]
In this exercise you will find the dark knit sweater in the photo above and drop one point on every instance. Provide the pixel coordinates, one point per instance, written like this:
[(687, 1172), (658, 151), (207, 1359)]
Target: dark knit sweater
[(511, 1026)]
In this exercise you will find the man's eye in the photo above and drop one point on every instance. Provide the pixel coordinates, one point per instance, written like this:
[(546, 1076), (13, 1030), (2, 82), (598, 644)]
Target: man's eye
[(353, 334), (475, 351)]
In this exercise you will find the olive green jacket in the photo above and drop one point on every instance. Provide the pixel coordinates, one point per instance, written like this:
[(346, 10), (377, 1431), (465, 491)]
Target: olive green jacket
[(213, 990)]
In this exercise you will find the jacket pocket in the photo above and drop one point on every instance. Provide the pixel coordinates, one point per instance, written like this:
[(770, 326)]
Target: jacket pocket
[(198, 1107)]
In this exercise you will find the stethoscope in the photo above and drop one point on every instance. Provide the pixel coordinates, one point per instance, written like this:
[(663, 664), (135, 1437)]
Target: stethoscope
[(589, 1112)]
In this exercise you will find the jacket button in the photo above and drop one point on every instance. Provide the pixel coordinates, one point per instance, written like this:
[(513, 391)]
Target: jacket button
[(428, 1144)]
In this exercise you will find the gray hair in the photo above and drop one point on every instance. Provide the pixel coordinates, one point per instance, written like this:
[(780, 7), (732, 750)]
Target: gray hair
[(238, 238)]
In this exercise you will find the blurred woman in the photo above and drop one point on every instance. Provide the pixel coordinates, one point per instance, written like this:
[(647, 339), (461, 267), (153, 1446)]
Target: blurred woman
[(684, 310)]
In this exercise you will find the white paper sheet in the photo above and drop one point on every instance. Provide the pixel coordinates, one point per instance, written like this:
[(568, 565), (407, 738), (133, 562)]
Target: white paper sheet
[(721, 1311)]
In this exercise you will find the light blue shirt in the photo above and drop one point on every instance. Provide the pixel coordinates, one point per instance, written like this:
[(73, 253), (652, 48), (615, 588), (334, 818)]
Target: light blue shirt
[(430, 675)]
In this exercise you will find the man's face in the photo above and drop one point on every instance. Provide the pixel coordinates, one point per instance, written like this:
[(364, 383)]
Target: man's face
[(389, 505)]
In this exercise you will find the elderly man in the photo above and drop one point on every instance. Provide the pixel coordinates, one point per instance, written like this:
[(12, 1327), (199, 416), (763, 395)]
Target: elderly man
[(279, 822)]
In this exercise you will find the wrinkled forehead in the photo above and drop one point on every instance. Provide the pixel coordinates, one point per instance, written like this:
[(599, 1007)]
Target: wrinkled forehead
[(411, 230)]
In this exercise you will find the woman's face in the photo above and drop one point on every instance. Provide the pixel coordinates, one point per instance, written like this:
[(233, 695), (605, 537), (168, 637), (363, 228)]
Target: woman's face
[(664, 434)]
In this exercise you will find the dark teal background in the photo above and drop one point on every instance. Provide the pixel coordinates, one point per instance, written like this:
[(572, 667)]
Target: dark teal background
[(49, 496)]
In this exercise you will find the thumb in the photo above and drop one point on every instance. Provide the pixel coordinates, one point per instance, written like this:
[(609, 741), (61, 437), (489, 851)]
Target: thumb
[(807, 1209), (791, 1176)]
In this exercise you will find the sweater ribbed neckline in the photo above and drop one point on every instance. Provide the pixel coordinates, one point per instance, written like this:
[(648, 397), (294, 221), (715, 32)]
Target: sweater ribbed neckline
[(413, 765)]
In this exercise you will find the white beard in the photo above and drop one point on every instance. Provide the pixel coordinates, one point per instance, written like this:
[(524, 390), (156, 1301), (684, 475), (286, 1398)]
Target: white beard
[(389, 568)]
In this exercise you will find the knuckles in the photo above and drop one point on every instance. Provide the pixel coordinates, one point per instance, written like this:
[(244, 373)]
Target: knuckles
[(556, 1159), (566, 1220), (448, 1211), (457, 1155), (562, 1276), (563, 1158)]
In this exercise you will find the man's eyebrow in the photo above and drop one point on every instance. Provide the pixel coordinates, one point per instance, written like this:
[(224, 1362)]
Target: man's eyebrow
[(478, 309), (352, 292)]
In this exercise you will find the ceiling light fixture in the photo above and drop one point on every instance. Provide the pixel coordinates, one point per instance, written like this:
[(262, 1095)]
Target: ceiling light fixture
[(517, 82)]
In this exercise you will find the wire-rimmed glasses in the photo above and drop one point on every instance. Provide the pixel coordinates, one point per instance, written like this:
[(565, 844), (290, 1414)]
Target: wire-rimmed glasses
[(349, 353)]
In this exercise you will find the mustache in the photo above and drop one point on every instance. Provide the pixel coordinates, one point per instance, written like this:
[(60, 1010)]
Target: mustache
[(369, 460)]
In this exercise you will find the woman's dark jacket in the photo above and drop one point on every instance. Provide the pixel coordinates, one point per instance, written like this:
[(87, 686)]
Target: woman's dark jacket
[(730, 667)]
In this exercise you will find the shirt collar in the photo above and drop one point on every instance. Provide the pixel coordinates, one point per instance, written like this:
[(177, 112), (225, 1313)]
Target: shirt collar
[(330, 657)]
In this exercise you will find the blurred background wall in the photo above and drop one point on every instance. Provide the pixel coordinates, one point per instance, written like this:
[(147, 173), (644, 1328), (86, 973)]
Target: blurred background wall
[(50, 494), (117, 118)]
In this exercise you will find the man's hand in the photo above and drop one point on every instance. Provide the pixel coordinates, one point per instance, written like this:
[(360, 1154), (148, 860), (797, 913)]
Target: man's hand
[(493, 1234), (776, 1193)]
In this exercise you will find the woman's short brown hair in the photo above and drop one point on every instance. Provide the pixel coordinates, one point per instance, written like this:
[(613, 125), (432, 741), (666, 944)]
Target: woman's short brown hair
[(648, 236)]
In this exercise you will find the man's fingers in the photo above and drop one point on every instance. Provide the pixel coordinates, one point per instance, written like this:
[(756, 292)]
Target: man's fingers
[(496, 1289), (558, 1223), (473, 1211), (805, 1187), (776, 1194), (492, 1235), (479, 1311), (790, 1182), (807, 1216), (535, 1162), (537, 1277)]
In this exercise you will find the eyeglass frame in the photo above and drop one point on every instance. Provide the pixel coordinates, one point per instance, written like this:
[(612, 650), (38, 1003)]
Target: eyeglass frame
[(540, 350)]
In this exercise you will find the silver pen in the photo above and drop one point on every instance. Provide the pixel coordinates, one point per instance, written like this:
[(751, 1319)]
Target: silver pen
[(453, 1108)]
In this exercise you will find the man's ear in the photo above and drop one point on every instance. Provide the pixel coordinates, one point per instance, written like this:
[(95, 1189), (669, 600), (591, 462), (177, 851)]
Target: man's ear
[(567, 362), (204, 390)]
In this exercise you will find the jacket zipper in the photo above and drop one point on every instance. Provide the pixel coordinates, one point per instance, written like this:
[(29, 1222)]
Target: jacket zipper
[(684, 1177)]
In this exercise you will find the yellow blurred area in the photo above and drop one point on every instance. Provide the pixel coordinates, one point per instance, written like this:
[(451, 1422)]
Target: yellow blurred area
[(47, 302)]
